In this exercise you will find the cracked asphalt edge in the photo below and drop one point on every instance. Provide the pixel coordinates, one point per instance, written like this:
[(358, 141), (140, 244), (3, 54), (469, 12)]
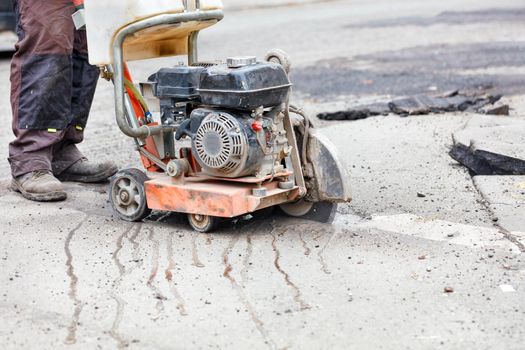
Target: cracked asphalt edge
[(496, 222)]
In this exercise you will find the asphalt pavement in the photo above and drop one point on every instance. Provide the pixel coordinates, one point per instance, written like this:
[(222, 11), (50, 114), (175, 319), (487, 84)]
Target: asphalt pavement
[(425, 257)]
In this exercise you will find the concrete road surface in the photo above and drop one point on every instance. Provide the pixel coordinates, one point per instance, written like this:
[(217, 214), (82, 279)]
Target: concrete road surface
[(420, 260)]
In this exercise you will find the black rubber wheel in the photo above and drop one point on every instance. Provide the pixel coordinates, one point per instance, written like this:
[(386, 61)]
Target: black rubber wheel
[(203, 223), (323, 212), (127, 195)]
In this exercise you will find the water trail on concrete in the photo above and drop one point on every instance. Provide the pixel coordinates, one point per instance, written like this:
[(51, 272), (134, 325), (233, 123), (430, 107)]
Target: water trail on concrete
[(307, 250), (225, 256), (114, 333), (320, 233), (248, 253), (136, 246), (246, 259), (159, 306), (119, 313), (240, 292), (320, 253), (297, 292), (116, 260), (194, 252), (73, 282), (169, 277), (300, 229)]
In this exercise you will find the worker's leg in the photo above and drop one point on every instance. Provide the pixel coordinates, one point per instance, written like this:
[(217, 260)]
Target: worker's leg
[(70, 165), (84, 83), (68, 162), (52, 87), (41, 81), (65, 152)]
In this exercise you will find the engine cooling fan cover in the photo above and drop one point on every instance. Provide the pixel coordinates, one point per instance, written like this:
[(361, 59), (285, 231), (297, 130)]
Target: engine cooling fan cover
[(220, 145)]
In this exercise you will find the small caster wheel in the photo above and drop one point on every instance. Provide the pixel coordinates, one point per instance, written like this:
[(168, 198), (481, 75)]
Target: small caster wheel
[(323, 212), (203, 223), (280, 57), (127, 195)]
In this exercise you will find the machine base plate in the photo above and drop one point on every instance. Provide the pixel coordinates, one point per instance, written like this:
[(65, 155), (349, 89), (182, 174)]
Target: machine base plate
[(211, 197)]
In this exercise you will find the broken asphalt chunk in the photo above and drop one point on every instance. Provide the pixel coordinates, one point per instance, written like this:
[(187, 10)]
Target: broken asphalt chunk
[(490, 145), (469, 100)]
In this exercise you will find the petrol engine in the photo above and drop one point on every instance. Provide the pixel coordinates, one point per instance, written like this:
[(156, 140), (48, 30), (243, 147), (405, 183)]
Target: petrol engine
[(232, 113)]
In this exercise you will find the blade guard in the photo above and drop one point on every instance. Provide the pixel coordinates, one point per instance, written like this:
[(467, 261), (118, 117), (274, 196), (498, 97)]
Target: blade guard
[(331, 179)]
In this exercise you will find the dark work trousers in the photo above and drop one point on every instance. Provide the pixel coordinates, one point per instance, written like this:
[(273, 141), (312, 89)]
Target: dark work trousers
[(52, 87)]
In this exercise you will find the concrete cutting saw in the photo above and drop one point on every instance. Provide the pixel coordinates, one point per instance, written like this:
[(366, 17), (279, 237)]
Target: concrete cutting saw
[(217, 140)]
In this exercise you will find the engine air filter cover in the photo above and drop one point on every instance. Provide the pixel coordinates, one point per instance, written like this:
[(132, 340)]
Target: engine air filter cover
[(220, 145)]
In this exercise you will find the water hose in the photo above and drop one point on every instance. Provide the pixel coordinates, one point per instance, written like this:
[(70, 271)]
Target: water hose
[(136, 93)]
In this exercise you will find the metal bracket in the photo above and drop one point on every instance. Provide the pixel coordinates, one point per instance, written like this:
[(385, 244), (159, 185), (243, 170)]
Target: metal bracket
[(151, 157), (294, 155)]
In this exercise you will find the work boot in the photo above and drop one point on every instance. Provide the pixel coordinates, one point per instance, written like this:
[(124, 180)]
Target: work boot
[(40, 186), (88, 172)]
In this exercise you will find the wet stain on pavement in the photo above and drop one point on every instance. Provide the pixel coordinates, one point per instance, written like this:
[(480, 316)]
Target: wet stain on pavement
[(240, 291), (114, 333), (116, 260), (320, 253), (297, 292), (194, 252), (120, 303), (119, 314), (225, 257), (159, 305), (248, 251), (73, 282), (133, 241), (307, 250), (169, 277), (246, 259), (319, 233)]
